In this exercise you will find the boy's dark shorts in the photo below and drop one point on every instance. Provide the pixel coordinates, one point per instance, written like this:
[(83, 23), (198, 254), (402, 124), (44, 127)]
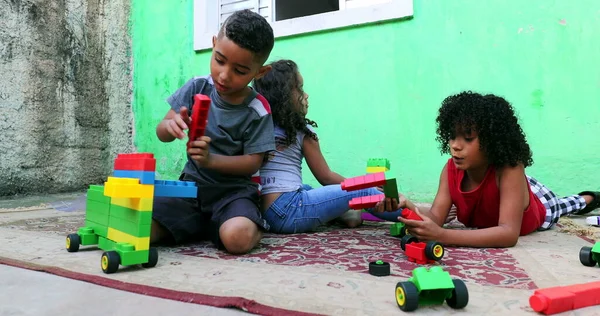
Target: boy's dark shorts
[(190, 220)]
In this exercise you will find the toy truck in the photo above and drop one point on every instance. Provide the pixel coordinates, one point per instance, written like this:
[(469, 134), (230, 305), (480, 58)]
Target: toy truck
[(399, 229), (589, 256), (118, 215), (431, 287)]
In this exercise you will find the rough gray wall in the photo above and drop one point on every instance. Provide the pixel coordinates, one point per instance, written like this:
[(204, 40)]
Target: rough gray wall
[(65, 93)]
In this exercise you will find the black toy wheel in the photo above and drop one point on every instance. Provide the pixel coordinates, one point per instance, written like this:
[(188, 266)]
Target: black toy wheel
[(407, 296), (402, 231), (110, 262), (460, 295), (379, 268), (434, 250), (73, 242), (407, 239), (586, 258), (152, 258)]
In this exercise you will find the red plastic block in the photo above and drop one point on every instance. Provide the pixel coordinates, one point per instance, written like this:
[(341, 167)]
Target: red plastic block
[(416, 253), (199, 117), (138, 162), (410, 214), (363, 182), (359, 203), (565, 298)]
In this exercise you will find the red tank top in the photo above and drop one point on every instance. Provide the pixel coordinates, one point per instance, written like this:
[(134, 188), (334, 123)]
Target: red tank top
[(480, 208)]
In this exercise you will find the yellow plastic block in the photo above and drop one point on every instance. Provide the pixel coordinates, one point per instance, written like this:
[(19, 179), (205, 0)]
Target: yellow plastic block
[(142, 205), (140, 243), (376, 169), (127, 188)]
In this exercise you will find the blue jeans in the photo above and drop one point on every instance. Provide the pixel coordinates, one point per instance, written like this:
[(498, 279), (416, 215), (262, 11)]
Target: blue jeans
[(303, 210)]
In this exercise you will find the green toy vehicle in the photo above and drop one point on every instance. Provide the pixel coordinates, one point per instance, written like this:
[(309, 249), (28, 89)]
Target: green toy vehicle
[(589, 256), (398, 230), (431, 287)]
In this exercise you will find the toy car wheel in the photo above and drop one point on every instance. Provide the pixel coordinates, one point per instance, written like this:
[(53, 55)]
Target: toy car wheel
[(586, 258), (407, 239), (403, 231), (434, 251), (407, 296), (110, 262), (73, 242), (379, 268), (460, 295), (152, 258)]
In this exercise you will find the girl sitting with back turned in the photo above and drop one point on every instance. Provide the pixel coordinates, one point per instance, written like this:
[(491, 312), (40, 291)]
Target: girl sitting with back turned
[(288, 205)]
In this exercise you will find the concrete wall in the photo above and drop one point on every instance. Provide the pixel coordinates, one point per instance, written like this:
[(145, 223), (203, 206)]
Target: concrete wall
[(65, 92), (375, 90)]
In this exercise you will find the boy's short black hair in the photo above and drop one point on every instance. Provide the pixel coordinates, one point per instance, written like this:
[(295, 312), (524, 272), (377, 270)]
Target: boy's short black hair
[(501, 137), (251, 31)]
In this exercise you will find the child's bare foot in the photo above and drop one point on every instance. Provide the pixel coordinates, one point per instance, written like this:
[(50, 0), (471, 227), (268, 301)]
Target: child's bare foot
[(351, 218)]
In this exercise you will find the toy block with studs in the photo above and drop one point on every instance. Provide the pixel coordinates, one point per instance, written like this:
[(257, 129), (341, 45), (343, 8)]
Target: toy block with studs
[(199, 117)]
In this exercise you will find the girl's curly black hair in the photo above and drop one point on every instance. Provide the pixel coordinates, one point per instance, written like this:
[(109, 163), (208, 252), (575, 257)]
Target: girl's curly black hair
[(493, 118), (280, 86)]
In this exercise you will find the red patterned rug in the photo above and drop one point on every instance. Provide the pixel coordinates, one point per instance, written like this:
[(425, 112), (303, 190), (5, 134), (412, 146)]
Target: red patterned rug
[(352, 249)]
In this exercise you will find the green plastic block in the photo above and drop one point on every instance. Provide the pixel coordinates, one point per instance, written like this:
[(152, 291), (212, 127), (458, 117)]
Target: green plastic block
[(131, 257), (433, 279), (378, 162), (87, 236), (396, 229), (99, 229), (96, 193), (96, 217), (130, 228), (390, 189), (143, 218), (106, 244), (97, 207)]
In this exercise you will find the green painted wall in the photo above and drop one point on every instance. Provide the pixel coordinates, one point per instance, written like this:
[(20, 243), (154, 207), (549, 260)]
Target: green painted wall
[(375, 90)]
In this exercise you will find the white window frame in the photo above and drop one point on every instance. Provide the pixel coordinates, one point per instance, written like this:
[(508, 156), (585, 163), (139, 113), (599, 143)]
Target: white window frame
[(206, 18)]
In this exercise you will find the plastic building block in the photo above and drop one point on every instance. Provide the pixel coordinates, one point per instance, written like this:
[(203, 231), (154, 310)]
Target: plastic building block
[(410, 214), (362, 202), (175, 188), (128, 227), (199, 116), (139, 162), (363, 182), (421, 252), (378, 162), (590, 256), (379, 268), (96, 193), (398, 230), (565, 298), (145, 177), (131, 215), (138, 204), (127, 187), (390, 189), (376, 169), (431, 287), (139, 243)]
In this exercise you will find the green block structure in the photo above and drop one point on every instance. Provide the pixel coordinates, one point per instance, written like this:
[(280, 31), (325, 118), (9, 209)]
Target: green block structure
[(131, 228), (127, 214)]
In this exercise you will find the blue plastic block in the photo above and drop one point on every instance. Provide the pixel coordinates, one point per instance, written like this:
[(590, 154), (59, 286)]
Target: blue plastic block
[(168, 188), (146, 177)]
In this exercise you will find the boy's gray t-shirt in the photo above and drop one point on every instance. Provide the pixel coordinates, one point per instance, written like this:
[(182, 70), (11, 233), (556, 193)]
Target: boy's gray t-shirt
[(283, 171), (234, 130)]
